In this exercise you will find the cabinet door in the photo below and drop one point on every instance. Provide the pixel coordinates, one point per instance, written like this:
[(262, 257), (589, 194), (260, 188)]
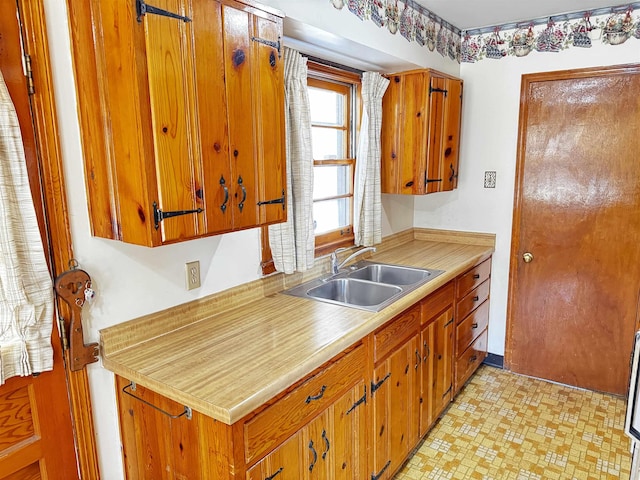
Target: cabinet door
[(349, 442), (437, 97), (269, 117), (238, 59), (171, 86), (212, 116), (451, 134), (395, 397), (427, 346), (284, 463), (405, 114), (442, 358)]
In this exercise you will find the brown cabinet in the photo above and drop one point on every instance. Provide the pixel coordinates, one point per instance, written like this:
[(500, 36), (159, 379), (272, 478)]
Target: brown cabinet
[(182, 122), (472, 320), (358, 416), (437, 348), (395, 393), (421, 132)]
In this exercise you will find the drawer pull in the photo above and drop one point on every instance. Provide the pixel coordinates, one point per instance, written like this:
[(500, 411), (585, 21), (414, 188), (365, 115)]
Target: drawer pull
[(476, 298), (417, 359), (448, 323), (474, 325), (473, 358), (310, 398), (315, 456), (426, 347), (271, 477), (376, 476), (326, 443), (186, 413), (376, 386), (476, 276)]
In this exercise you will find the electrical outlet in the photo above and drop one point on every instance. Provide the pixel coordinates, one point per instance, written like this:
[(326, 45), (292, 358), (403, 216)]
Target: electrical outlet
[(490, 179), (193, 274)]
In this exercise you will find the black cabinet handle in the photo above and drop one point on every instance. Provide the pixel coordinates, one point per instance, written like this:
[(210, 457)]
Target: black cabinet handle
[(223, 207), (417, 359), (476, 298), (474, 325), (244, 194), (476, 276), (310, 398), (315, 456), (326, 443), (426, 346)]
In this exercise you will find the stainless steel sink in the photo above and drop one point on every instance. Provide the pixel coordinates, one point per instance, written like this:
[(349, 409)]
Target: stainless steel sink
[(391, 274), (354, 292), (366, 285)]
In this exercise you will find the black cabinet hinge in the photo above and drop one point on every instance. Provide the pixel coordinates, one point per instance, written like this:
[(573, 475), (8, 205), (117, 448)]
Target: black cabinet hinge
[(376, 476), (437, 90), (277, 45), (275, 201), (360, 401), (376, 386), (159, 215), (142, 9)]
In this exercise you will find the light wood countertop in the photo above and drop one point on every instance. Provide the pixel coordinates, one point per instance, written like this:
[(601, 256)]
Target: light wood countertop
[(229, 353)]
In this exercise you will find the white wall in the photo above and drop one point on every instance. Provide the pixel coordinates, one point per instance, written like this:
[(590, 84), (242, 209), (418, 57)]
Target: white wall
[(489, 141)]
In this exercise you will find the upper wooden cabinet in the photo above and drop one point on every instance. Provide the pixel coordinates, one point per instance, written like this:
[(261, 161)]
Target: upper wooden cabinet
[(182, 119), (421, 112)]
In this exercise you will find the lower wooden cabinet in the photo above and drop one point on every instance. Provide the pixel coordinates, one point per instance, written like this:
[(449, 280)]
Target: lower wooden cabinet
[(331, 447), (358, 416), (395, 394)]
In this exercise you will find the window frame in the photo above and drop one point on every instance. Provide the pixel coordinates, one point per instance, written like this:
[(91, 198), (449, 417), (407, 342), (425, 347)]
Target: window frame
[(328, 76)]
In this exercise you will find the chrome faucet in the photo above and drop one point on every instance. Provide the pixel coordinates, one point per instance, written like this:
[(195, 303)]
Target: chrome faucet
[(335, 267)]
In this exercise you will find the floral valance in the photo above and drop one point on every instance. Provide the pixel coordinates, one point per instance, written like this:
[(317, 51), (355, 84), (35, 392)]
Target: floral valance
[(611, 26)]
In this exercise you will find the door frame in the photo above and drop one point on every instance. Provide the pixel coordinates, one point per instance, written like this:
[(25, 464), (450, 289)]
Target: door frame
[(528, 79), (34, 31)]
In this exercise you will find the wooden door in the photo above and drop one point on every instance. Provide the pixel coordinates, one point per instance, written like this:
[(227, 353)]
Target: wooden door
[(36, 436), (437, 99), (395, 405), (573, 308)]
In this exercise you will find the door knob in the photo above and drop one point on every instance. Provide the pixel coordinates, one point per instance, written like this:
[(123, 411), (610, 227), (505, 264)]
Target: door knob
[(527, 257)]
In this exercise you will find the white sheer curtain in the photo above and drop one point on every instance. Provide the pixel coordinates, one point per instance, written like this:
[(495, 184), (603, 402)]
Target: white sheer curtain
[(26, 292), (367, 206), (292, 243)]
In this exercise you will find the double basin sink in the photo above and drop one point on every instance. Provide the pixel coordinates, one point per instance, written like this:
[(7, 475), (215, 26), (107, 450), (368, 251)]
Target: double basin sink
[(365, 285)]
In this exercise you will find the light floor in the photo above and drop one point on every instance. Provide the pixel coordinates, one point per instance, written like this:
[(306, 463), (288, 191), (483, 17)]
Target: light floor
[(507, 426)]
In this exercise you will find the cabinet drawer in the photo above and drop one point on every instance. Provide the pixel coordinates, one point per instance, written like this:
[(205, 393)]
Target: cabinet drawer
[(437, 301), (473, 278), (472, 300), (395, 332), (288, 414), (470, 360), (472, 326)]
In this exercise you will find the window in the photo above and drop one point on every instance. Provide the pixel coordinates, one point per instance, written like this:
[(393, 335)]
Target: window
[(332, 99), (334, 104)]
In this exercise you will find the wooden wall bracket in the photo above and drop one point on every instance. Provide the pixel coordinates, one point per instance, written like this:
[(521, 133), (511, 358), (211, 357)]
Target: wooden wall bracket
[(74, 287)]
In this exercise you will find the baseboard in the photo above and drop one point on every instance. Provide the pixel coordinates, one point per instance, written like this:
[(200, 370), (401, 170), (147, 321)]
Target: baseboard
[(494, 360)]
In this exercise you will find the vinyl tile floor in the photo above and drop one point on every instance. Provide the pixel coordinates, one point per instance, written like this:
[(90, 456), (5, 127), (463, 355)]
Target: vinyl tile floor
[(504, 426)]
